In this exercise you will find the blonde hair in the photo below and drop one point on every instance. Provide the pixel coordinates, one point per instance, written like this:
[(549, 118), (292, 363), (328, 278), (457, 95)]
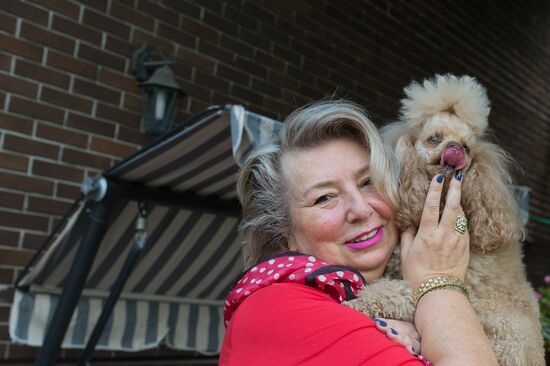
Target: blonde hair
[(261, 187)]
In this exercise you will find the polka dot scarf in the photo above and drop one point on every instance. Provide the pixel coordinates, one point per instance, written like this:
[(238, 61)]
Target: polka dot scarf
[(339, 282)]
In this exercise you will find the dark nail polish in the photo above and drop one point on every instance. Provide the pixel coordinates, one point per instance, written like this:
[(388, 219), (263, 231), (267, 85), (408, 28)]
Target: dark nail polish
[(393, 331), (376, 319), (439, 178), (458, 175), (382, 323)]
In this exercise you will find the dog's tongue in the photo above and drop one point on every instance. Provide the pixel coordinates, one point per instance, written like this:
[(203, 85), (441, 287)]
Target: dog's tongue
[(454, 157)]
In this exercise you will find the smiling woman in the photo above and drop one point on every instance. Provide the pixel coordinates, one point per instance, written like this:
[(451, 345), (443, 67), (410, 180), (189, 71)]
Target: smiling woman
[(318, 225), (336, 213)]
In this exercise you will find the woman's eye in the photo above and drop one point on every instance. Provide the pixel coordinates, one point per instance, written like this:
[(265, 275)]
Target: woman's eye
[(322, 199), (366, 182), (434, 139)]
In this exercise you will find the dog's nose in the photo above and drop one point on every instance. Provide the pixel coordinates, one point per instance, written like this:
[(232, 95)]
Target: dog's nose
[(455, 144)]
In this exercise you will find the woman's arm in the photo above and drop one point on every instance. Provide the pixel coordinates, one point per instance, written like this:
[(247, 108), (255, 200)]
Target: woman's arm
[(450, 329)]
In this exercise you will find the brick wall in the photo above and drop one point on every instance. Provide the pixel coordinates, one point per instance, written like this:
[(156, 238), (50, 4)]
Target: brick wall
[(69, 106)]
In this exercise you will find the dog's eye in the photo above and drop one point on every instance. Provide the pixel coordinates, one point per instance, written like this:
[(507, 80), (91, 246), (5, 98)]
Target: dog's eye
[(466, 148), (434, 139)]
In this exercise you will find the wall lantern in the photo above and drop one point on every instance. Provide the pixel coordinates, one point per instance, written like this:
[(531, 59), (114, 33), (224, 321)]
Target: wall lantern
[(160, 93)]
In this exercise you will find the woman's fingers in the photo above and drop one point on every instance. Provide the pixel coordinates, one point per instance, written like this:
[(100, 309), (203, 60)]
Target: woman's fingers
[(430, 214), (452, 207), (401, 332)]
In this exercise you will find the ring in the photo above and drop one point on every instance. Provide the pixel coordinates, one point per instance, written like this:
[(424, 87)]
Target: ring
[(461, 224)]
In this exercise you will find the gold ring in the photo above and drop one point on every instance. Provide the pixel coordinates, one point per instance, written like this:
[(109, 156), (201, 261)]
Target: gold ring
[(461, 224)]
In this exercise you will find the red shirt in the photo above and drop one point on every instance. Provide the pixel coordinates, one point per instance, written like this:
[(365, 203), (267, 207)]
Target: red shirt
[(293, 324)]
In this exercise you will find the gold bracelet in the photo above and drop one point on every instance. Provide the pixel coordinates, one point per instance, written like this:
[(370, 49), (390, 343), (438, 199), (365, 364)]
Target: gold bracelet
[(438, 282)]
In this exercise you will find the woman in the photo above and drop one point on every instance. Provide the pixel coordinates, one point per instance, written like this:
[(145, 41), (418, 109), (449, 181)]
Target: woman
[(318, 221)]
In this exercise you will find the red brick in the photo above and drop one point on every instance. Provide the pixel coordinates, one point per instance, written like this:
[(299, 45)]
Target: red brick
[(217, 53), (66, 100), (17, 85), (184, 7), (99, 21), (76, 30), (117, 115), (6, 296), (233, 75), (20, 47), (211, 82), (7, 23), (8, 239), (13, 162), (5, 61), (100, 5), (111, 147), (133, 136), (85, 159), (251, 67), (198, 91), (33, 241), (62, 135), (26, 10), (12, 200), (237, 16), (126, 13), (22, 221), (14, 123), (246, 95), (65, 190), (267, 88), (158, 11), (26, 184), (176, 35), (4, 333), (132, 102), (236, 46), (2, 100), (95, 55), (37, 110), (195, 59), (6, 274), (18, 352), (61, 6), (4, 313), (258, 12), (30, 146), (57, 171), (220, 23), (96, 91), (200, 30), (72, 65), (141, 37), (270, 61), (90, 124), (47, 38), (40, 73), (120, 47), (47, 205)]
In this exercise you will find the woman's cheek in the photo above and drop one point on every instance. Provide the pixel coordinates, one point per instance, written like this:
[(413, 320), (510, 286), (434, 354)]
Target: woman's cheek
[(381, 206)]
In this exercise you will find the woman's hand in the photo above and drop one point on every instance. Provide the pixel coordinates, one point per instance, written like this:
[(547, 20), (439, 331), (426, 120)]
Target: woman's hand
[(401, 332), (437, 249)]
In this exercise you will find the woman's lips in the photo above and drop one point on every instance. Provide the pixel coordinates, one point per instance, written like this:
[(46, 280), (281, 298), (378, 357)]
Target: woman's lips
[(358, 245)]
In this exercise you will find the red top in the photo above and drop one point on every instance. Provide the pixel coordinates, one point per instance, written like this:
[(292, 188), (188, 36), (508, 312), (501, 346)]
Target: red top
[(293, 324)]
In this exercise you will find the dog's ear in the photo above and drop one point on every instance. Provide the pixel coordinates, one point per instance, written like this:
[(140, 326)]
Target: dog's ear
[(492, 212), (413, 183)]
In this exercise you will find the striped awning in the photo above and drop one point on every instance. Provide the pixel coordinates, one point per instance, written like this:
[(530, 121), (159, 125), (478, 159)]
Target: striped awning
[(192, 256)]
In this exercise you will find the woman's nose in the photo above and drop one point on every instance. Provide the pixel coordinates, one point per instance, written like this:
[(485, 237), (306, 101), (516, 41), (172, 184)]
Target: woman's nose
[(358, 208)]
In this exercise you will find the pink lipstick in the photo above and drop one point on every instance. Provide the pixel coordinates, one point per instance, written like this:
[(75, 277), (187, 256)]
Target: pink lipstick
[(369, 241)]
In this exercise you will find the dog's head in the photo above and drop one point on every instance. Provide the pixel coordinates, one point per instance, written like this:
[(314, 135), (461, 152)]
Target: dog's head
[(442, 130)]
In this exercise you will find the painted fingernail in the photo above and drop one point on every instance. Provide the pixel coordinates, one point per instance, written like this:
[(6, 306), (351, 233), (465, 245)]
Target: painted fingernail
[(458, 175), (382, 323), (394, 332), (439, 178)]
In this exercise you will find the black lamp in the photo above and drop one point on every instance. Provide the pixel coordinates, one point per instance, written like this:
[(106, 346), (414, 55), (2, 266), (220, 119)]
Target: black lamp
[(159, 91)]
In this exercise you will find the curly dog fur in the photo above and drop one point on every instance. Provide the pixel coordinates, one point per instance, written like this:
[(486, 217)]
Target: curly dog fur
[(452, 111)]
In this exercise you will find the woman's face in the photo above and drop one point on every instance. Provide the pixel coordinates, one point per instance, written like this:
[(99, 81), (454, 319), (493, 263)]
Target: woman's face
[(336, 213)]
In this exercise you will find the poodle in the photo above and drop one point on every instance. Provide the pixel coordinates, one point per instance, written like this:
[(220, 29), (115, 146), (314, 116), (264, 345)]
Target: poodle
[(443, 129)]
